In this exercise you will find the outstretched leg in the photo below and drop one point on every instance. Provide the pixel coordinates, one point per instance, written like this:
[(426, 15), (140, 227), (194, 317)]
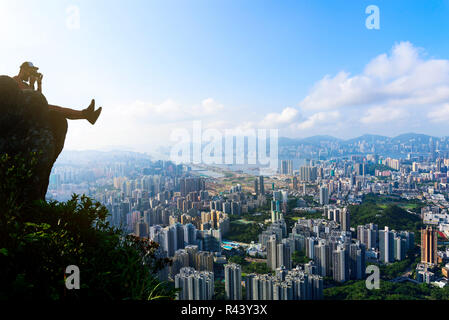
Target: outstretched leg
[(90, 114)]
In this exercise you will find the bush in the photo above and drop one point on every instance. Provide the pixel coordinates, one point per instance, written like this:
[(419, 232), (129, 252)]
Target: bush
[(242, 232), (38, 240), (392, 216), (250, 267), (299, 257), (356, 290)]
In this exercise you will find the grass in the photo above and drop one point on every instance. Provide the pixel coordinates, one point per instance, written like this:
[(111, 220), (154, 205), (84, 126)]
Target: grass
[(243, 221)]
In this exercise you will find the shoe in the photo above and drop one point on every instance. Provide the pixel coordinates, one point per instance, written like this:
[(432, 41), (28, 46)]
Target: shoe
[(93, 116), (91, 107), (90, 114)]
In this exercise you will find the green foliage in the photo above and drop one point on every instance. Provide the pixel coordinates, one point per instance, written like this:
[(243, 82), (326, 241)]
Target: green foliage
[(292, 203), (310, 201), (38, 240), (260, 218), (356, 290), (256, 267), (299, 257), (370, 168), (219, 290), (16, 173), (389, 215), (398, 268), (238, 259), (290, 220), (244, 232), (250, 267)]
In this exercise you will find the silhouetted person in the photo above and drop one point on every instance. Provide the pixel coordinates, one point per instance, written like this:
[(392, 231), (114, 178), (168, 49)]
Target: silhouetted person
[(28, 77)]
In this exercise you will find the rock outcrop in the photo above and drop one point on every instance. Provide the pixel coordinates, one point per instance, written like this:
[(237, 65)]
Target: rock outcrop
[(27, 127)]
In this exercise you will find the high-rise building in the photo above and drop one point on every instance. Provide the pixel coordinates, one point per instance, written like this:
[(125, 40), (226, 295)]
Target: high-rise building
[(284, 255), (324, 195), (179, 261), (192, 251), (368, 235), (345, 221), (278, 254), (308, 173), (141, 229), (189, 234), (321, 257), (399, 247), (340, 264), (290, 167), (295, 183), (428, 245), (386, 245), (353, 181), (233, 281), (359, 169), (271, 252), (204, 261), (357, 260), (261, 185), (191, 184), (194, 285), (256, 186), (287, 167), (291, 285)]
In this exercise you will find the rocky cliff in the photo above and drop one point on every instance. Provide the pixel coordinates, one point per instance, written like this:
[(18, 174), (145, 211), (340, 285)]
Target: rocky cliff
[(28, 129)]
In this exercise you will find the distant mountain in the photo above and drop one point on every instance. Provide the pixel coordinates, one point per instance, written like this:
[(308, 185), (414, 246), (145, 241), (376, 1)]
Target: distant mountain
[(370, 138), (321, 139), (309, 140), (417, 137), (288, 141), (86, 156), (314, 147), (401, 146)]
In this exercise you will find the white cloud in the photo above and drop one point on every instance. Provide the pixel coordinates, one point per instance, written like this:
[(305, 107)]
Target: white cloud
[(440, 114), (401, 85), (286, 117), (209, 106), (141, 124), (403, 60), (319, 118), (382, 114), (403, 78), (166, 111)]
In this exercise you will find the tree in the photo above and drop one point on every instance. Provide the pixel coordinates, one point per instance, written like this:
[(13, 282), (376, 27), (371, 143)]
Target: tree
[(38, 240), (299, 257)]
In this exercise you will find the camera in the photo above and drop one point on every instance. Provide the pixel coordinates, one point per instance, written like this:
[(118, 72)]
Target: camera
[(34, 73)]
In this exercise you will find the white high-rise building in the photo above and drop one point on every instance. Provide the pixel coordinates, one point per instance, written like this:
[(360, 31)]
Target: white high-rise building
[(324, 195), (194, 285), (233, 281)]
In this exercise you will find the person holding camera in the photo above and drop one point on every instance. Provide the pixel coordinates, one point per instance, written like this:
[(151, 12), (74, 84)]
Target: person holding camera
[(27, 79)]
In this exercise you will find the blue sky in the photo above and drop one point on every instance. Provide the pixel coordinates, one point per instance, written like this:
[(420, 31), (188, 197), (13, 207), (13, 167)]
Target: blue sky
[(158, 65)]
